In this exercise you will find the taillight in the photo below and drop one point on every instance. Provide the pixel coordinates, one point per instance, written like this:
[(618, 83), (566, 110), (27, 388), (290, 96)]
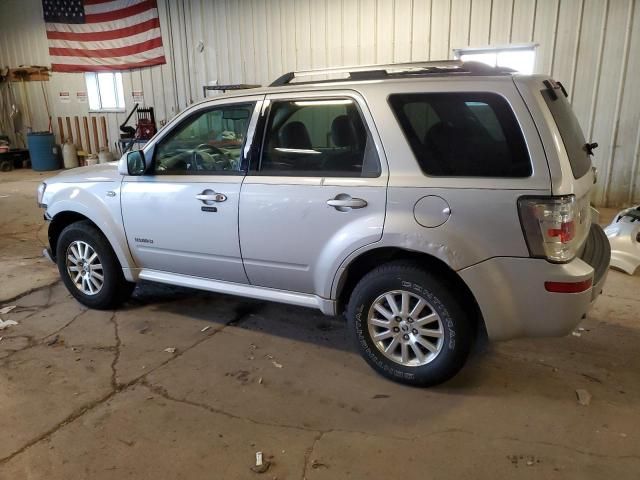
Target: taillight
[(554, 227), (566, 232)]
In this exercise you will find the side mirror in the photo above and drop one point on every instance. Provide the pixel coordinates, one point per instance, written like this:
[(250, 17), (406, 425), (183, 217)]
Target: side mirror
[(136, 164)]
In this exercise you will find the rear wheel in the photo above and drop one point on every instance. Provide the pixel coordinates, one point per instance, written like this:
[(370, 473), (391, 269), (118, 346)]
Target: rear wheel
[(408, 326), (89, 268)]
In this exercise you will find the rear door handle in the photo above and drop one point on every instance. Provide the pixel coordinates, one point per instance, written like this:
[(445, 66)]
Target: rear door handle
[(344, 202)]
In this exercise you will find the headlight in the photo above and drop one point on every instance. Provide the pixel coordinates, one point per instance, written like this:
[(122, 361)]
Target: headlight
[(41, 188)]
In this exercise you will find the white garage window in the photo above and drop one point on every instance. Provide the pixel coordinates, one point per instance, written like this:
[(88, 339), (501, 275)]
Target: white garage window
[(105, 91), (521, 58)]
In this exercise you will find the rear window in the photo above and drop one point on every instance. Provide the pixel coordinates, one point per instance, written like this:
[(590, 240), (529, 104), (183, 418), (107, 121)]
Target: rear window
[(466, 134), (570, 131)]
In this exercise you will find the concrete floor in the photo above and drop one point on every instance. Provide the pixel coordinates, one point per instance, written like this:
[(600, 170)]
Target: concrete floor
[(88, 394)]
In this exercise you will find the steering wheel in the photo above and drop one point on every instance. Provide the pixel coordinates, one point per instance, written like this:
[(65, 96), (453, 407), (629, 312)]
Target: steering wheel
[(217, 160)]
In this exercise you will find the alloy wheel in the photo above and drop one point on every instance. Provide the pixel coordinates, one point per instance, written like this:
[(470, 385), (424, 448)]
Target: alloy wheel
[(84, 268), (405, 328)]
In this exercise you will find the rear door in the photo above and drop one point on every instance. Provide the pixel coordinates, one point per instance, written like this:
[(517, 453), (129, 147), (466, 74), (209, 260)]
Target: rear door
[(316, 192)]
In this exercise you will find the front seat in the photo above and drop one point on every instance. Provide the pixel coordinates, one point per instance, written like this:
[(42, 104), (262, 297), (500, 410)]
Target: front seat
[(344, 136), (294, 135)]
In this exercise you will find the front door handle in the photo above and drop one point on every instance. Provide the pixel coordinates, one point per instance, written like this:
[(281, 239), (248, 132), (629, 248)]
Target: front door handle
[(344, 202), (209, 196)]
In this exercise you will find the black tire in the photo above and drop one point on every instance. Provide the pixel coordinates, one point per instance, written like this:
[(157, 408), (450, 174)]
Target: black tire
[(115, 289), (458, 332)]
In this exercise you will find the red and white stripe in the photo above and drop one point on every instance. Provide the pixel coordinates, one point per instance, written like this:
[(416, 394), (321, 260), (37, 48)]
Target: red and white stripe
[(116, 35)]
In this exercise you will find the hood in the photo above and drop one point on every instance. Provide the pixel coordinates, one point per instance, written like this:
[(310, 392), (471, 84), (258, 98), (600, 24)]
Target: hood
[(104, 172)]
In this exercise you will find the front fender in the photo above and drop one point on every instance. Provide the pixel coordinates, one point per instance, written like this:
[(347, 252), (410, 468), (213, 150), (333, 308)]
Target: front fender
[(100, 203)]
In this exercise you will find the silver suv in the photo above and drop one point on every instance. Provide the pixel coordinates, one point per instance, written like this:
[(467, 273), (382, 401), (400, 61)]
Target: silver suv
[(431, 202)]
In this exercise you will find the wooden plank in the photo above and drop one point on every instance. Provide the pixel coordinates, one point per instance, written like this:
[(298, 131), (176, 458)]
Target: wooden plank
[(105, 137), (29, 74), (86, 134), (78, 137), (94, 128), (69, 132), (60, 130)]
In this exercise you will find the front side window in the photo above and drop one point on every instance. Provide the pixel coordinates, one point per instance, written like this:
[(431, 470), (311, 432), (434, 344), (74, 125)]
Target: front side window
[(208, 142), (462, 134), (318, 138)]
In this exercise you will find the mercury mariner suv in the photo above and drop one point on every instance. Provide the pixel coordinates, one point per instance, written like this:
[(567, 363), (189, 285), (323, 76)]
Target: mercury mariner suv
[(432, 202)]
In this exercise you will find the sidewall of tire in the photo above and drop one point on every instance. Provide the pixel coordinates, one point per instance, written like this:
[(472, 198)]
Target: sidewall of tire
[(457, 332), (114, 283)]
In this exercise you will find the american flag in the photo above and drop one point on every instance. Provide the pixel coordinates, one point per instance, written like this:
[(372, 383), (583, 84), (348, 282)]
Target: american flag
[(99, 35)]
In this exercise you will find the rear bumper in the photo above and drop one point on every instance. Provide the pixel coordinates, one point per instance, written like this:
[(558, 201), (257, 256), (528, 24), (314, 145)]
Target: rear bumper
[(513, 299)]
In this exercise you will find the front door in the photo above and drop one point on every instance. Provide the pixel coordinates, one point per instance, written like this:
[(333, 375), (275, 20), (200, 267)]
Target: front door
[(183, 217), (316, 194)]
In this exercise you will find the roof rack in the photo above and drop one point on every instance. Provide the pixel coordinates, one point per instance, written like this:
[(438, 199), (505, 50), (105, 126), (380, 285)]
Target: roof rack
[(370, 72)]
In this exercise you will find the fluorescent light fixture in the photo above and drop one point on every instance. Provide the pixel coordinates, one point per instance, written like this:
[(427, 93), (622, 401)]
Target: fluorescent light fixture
[(520, 57)]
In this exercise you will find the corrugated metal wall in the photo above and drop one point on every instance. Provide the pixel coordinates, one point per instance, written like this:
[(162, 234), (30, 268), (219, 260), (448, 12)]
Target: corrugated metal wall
[(593, 46)]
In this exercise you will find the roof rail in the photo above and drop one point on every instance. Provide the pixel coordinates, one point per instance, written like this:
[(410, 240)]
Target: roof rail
[(365, 72)]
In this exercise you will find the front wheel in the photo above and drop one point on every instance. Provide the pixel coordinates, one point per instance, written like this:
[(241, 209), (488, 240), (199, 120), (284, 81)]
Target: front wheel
[(408, 326), (89, 268)]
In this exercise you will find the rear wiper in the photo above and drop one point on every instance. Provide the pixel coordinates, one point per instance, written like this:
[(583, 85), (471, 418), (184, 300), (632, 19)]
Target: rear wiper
[(590, 147)]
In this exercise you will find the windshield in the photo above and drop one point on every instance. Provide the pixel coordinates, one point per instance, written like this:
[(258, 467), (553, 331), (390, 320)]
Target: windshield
[(570, 131)]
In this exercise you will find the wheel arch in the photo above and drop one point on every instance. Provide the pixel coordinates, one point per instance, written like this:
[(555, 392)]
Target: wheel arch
[(65, 218), (370, 259)]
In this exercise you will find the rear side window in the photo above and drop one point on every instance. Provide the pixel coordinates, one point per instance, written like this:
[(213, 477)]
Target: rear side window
[(570, 131), (318, 138), (462, 134)]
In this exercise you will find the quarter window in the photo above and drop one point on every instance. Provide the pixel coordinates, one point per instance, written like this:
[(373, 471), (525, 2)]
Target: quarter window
[(462, 134), (318, 138), (208, 142)]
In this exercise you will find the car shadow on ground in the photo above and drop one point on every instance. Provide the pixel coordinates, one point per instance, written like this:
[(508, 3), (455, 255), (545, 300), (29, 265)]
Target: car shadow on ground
[(493, 368), (282, 320), (288, 321)]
